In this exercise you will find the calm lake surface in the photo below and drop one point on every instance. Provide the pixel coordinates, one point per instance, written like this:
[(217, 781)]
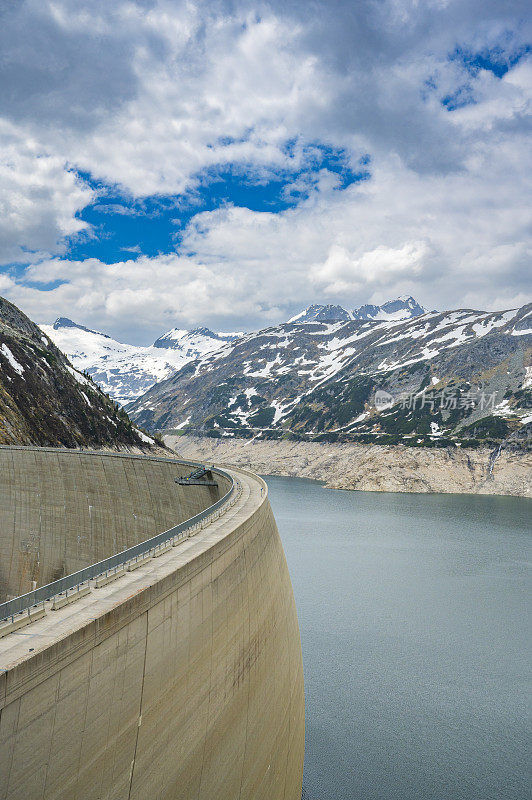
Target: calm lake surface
[(413, 618)]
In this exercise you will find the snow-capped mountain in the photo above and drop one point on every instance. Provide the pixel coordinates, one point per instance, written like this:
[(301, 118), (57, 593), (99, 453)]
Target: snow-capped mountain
[(125, 371), (318, 313), (403, 308), (429, 378), (195, 341)]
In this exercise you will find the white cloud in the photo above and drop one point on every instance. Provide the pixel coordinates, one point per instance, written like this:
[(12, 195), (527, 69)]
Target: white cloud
[(452, 241), (343, 272), (39, 197), (191, 80)]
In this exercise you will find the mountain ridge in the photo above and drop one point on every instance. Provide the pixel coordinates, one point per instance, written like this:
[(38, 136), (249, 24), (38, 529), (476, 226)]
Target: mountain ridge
[(320, 379), (125, 371), (65, 322), (179, 335)]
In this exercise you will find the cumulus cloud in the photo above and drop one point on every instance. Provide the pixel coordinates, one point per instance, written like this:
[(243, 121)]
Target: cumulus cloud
[(148, 95), (344, 273), (39, 197), (135, 299)]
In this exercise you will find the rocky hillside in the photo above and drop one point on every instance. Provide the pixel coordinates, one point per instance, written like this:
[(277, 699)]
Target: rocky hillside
[(126, 371), (462, 376), (44, 401)]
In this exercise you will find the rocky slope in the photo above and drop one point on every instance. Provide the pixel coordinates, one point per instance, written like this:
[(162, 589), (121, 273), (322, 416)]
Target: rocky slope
[(44, 401), (126, 371), (461, 376), (371, 467)]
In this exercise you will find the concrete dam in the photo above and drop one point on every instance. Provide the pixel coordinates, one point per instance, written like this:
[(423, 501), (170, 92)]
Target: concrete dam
[(149, 643)]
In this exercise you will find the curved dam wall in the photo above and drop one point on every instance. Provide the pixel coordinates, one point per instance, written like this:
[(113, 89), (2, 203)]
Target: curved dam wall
[(61, 511), (181, 680)]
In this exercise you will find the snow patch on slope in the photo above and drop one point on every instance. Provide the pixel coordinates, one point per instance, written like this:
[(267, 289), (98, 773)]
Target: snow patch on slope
[(12, 360)]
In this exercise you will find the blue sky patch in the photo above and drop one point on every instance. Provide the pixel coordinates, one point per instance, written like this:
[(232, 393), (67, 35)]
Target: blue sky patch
[(463, 96), (498, 60), (123, 227)]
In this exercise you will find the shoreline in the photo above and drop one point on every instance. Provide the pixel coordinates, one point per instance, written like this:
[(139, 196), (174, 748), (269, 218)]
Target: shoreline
[(373, 468)]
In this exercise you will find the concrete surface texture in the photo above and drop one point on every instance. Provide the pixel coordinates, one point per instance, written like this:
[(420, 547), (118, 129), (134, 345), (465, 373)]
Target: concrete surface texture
[(181, 680)]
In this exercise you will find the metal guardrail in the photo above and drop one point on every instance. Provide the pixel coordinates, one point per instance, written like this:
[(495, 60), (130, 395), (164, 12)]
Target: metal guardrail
[(75, 579)]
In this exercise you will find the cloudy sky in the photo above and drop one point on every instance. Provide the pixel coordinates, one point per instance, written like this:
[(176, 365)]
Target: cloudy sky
[(228, 163)]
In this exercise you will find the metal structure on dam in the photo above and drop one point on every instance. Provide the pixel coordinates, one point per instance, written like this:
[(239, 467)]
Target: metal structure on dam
[(149, 644)]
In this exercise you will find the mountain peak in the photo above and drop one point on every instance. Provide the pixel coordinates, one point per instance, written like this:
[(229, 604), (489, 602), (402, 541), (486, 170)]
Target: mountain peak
[(178, 337), (170, 338), (65, 322), (320, 313), (404, 307), (203, 331)]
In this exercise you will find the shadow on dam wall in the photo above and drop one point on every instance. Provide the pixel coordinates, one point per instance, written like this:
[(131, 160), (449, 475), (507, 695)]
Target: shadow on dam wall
[(181, 680)]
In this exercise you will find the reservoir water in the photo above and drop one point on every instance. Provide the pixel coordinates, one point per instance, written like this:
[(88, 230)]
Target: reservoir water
[(413, 618)]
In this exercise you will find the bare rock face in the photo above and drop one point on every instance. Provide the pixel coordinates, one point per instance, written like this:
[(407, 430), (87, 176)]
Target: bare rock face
[(374, 468)]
